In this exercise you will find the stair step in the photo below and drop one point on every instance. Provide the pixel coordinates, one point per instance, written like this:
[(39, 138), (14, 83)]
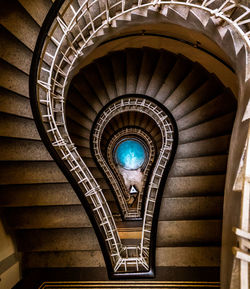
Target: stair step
[(199, 16), (211, 146), (79, 103), (138, 13), (213, 29), (76, 116), (106, 72), (194, 186), (219, 126), (38, 10), (188, 233), (14, 79), (94, 11), (118, 62), (18, 21), (72, 239), (79, 141), (133, 58), (33, 195), (107, 193), (165, 63), (178, 15), (92, 75), (108, 132), (96, 172), (194, 79), (165, 257), (23, 150), (121, 21), (131, 4), (149, 61), (171, 233), (130, 238), (231, 42), (179, 71), (102, 183), (18, 127), (188, 256), (84, 152), (30, 172), (112, 126), (199, 166), (181, 11), (90, 162), (211, 109), (47, 217), (90, 275), (14, 52), (65, 216), (191, 208), (209, 90), (64, 259), (77, 129), (80, 83), (12, 103)]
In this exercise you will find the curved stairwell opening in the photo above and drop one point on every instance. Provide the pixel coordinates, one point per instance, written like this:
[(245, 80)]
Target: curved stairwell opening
[(191, 209), (52, 230)]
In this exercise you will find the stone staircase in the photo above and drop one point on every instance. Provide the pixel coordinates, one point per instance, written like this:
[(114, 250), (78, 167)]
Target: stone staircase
[(51, 227), (191, 210)]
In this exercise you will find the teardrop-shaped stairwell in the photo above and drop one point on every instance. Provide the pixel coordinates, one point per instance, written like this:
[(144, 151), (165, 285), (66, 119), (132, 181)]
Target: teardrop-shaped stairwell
[(52, 229), (189, 233)]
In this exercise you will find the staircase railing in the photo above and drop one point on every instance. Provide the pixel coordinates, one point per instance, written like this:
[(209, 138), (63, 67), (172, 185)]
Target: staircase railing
[(69, 29), (169, 138), (122, 192)]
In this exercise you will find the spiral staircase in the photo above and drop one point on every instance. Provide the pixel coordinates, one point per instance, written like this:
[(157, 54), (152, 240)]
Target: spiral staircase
[(199, 157), (52, 230)]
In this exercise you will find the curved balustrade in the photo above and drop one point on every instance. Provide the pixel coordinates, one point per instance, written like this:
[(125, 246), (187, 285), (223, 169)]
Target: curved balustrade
[(60, 44), (168, 132), (125, 105), (135, 212)]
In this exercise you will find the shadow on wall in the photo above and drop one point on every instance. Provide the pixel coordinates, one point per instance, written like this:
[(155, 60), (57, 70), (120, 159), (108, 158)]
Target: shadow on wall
[(10, 269)]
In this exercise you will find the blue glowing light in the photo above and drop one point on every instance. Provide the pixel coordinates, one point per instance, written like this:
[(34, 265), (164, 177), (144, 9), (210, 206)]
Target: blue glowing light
[(130, 154)]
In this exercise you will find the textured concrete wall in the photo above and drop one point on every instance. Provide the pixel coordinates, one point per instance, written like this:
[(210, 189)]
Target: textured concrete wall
[(232, 200)]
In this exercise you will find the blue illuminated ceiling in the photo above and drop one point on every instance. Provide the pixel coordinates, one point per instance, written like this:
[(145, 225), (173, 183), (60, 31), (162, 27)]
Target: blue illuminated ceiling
[(130, 154)]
